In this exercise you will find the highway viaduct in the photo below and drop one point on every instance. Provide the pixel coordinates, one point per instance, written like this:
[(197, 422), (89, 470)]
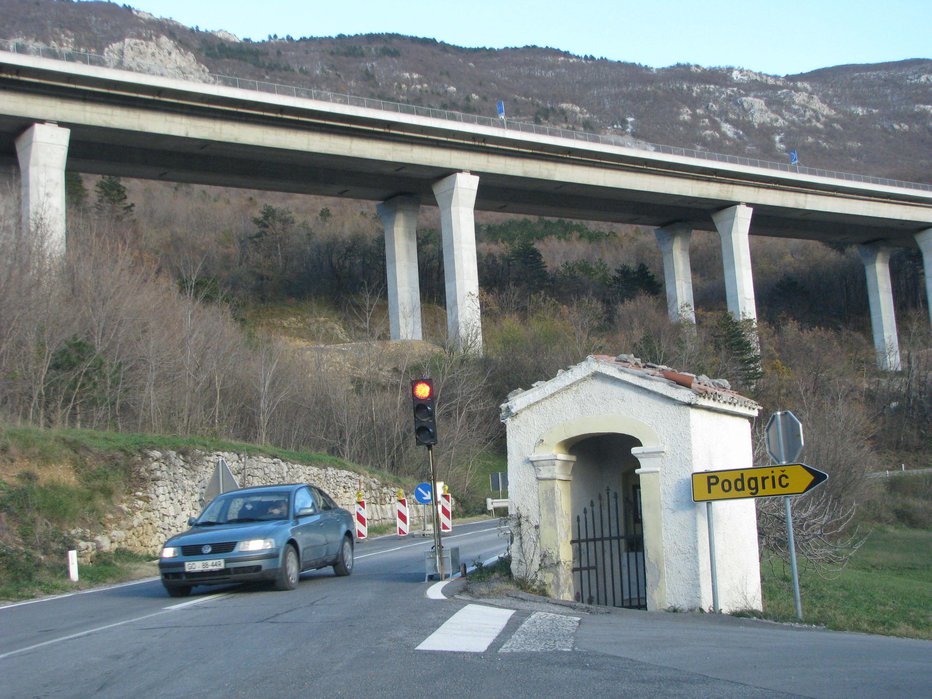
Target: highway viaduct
[(56, 114)]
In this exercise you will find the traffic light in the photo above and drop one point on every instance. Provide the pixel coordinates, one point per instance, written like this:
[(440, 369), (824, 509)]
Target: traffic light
[(425, 418)]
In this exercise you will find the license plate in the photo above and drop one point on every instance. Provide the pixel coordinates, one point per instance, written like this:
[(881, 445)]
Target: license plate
[(200, 566)]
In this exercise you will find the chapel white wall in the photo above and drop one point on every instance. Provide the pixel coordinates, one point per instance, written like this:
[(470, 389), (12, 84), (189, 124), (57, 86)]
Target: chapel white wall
[(692, 438)]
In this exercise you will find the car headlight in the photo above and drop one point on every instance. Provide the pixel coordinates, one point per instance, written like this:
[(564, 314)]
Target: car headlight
[(255, 545), (171, 552)]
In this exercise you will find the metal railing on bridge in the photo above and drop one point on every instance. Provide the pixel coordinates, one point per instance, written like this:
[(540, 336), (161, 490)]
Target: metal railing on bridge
[(92, 59)]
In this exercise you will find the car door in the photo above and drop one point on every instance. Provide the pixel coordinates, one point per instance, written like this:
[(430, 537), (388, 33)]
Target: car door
[(309, 529), (333, 525)]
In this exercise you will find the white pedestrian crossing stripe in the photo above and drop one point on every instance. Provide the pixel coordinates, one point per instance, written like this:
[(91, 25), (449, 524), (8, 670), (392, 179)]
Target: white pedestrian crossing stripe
[(473, 629), (543, 632)]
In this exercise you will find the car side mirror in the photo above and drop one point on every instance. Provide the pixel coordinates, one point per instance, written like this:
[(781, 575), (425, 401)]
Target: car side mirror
[(305, 511)]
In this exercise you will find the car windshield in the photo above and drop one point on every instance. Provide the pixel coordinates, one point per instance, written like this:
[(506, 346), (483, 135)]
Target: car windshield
[(248, 507)]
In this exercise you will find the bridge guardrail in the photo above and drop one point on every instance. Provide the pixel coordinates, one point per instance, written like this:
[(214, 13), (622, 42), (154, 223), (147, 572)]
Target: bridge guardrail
[(92, 59)]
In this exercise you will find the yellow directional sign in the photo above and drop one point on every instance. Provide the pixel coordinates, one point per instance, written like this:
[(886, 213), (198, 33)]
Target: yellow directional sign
[(768, 482)]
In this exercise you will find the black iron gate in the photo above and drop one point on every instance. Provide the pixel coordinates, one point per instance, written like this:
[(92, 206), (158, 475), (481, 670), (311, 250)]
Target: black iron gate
[(608, 562)]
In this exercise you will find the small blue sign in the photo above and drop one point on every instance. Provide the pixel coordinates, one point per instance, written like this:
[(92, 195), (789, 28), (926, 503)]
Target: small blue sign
[(423, 493)]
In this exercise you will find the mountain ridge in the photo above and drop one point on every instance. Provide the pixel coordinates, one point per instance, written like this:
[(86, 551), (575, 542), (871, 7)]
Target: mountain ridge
[(869, 119)]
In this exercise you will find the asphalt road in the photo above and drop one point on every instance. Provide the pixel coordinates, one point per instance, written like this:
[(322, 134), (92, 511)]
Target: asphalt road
[(379, 634)]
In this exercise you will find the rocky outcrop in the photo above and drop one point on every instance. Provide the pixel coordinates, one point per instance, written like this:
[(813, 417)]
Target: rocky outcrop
[(174, 485), (160, 56)]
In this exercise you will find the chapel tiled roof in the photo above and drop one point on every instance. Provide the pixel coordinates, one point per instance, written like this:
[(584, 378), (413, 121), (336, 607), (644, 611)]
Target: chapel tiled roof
[(717, 390)]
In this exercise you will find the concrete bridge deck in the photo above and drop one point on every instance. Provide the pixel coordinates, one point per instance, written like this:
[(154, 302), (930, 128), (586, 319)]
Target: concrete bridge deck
[(138, 125), (56, 115)]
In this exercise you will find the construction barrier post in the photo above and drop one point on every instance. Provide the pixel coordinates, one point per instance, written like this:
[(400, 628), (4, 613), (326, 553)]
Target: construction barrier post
[(446, 511), (401, 514), (362, 517)]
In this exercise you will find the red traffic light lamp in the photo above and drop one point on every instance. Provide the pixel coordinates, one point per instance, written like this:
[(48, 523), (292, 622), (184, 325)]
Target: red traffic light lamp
[(421, 389), (425, 418)]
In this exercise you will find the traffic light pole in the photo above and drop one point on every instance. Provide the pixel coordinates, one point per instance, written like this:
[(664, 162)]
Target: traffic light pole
[(434, 503)]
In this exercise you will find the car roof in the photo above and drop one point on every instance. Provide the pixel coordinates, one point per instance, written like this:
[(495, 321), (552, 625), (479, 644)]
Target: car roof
[(290, 487)]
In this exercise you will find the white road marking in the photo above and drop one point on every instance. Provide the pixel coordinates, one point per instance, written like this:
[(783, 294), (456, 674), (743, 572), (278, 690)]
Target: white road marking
[(397, 548), (543, 631), (424, 542), (97, 629), (103, 588), (79, 634), (471, 630), (198, 600), (435, 591)]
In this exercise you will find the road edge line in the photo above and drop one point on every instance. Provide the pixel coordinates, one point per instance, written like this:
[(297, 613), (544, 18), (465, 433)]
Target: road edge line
[(435, 591)]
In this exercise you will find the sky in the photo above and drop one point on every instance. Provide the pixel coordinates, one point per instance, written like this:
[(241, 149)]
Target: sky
[(778, 37)]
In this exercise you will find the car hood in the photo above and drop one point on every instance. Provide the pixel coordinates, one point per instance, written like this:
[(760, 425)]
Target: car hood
[(230, 532)]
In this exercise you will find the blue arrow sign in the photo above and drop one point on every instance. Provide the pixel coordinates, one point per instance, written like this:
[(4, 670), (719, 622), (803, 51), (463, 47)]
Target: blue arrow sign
[(423, 494)]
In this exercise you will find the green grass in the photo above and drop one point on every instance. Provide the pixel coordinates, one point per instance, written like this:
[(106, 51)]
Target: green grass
[(499, 569), (117, 566), (489, 463), (885, 589), (381, 529), (56, 481), (50, 446), (26, 576)]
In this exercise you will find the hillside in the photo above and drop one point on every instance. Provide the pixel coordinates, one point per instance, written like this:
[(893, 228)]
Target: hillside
[(261, 317), (868, 119)]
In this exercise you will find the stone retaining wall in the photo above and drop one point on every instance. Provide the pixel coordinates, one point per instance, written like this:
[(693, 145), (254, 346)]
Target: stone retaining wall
[(174, 490)]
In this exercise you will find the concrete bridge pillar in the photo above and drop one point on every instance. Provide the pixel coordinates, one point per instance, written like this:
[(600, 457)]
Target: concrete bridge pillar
[(399, 217), (925, 244), (456, 196), (733, 225), (42, 151), (876, 259), (677, 273)]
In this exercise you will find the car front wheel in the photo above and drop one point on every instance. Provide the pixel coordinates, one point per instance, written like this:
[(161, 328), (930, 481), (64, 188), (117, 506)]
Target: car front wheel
[(289, 572), (344, 564)]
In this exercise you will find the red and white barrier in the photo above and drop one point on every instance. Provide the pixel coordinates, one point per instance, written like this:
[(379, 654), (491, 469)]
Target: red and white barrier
[(362, 518), (446, 513), (401, 515)]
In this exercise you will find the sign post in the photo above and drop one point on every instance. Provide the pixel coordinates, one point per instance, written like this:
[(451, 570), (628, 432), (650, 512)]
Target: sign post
[(422, 494), (738, 483), (784, 443), (714, 570)]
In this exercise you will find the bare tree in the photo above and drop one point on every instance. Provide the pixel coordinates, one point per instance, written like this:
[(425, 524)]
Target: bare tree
[(270, 388), (823, 533), (366, 306)]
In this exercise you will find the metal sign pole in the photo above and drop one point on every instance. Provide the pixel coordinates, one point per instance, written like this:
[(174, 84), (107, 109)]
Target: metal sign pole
[(708, 516), (790, 539), (791, 544), (434, 501)]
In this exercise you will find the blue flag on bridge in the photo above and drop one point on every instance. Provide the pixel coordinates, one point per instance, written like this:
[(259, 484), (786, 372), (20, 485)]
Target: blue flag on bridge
[(501, 109), (794, 158)]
